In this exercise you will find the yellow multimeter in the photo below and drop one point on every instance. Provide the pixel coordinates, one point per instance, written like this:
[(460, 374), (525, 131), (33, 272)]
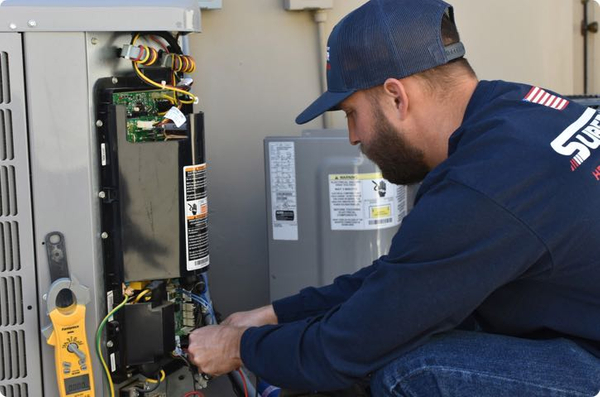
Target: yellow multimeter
[(66, 302), (68, 336)]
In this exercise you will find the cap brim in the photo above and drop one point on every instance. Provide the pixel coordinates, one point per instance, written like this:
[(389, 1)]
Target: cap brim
[(327, 101)]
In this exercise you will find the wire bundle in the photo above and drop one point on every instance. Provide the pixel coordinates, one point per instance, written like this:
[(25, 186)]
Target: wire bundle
[(181, 63), (147, 56), (204, 303)]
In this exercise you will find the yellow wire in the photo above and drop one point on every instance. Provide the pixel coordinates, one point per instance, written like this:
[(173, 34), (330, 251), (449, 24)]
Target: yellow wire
[(165, 87), (147, 54), (170, 98), (141, 294), (162, 377)]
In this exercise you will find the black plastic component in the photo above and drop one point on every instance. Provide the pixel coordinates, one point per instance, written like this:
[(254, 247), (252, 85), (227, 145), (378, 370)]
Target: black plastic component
[(163, 106), (149, 332), (114, 216)]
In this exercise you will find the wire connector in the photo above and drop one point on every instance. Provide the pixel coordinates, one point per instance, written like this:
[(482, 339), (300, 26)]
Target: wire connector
[(131, 52)]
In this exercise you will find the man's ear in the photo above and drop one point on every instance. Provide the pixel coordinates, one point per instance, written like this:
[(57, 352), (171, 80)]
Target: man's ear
[(395, 91)]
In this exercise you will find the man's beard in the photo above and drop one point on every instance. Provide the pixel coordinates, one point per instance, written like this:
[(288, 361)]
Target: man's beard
[(399, 162)]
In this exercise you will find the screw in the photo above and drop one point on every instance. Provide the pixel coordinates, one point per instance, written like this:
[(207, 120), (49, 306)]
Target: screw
[(115, 80), (104, 235), (94, 40), (110, 343), (99, 123), (12, 26), (31, 23), (45, 297), (102, 194)]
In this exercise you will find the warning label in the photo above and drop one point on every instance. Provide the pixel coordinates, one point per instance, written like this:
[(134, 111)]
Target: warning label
[(196, 217), (365, 202), (284, 211)]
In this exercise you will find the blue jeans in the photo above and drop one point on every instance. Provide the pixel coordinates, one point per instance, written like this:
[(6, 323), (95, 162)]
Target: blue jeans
[(462, 363)]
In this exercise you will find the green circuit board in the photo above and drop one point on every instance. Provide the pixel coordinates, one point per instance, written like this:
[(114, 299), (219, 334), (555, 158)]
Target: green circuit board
[(185, 313), (144, 110)]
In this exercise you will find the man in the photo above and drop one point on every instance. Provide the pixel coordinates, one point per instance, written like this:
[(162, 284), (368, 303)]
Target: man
[(492, 284)]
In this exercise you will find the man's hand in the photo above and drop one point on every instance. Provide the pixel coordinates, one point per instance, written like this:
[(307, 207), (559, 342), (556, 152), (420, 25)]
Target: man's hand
[(253, 318), (215, 349)]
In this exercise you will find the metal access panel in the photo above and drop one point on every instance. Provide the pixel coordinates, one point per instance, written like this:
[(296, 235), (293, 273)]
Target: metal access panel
[(53, 53), (329, 210), (20, 365)]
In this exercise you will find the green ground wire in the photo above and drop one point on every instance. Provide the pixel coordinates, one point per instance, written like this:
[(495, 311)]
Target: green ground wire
[(98, 339)]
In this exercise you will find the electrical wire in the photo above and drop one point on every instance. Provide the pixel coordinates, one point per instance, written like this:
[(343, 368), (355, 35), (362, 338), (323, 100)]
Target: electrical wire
[(189, 365), (244, 382), (141, 295), (160, 43), (206, 295), (159, 85), (156, 382), (193, 393), (176, 65), (162, 86), (202, 302), (160, 379), (171, 41), (98, 347)]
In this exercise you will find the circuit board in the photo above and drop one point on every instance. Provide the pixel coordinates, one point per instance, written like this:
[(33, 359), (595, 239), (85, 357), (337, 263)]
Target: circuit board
[(185, 315), (145, 109)]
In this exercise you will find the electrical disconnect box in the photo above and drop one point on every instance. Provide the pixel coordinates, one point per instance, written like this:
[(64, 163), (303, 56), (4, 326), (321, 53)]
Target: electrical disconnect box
[(330, 212), (103, 209), (300, 5), (211, 4)]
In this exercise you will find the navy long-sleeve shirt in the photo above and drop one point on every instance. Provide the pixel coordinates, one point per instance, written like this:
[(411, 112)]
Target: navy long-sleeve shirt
[(506, 229)]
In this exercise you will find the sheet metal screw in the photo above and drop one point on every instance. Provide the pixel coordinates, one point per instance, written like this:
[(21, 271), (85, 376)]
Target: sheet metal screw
[(102, 194), (110, 343), (99, 123), (94, 40), (104, 235), (31, 23), (12, 26), (115, 80)]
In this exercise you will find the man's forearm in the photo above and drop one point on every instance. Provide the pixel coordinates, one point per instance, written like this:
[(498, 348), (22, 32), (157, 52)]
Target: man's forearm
[(311, 302)]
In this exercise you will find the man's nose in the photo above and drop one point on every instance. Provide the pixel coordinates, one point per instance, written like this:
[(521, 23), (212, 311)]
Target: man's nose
[(354, 140)]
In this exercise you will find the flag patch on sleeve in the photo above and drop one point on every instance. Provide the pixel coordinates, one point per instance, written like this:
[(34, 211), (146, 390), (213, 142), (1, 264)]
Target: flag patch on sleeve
[(542, 97)]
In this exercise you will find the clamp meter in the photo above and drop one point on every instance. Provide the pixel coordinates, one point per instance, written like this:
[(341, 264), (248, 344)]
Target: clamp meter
[(66, 302)]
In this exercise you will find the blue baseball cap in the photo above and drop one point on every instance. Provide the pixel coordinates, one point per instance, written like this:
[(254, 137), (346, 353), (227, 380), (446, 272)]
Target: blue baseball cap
[(379, 40)]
